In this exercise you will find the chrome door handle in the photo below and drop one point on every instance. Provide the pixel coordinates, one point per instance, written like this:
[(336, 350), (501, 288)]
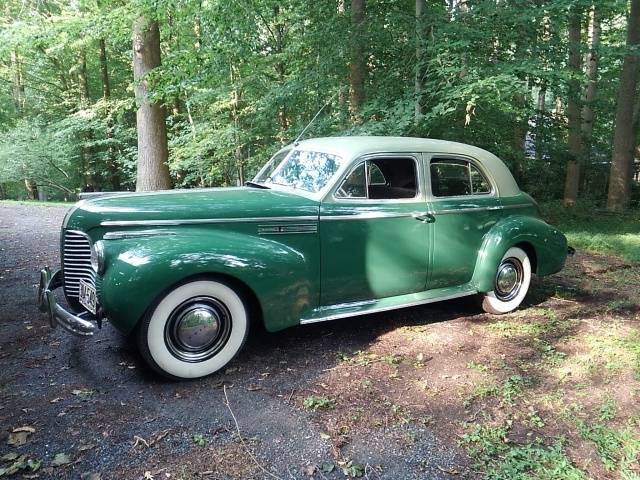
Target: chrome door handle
[(425, 217)]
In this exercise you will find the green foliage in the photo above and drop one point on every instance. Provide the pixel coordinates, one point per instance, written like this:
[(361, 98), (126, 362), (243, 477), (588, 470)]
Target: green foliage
[(587, 227), (501, 459), (238, 80), (317, 402)]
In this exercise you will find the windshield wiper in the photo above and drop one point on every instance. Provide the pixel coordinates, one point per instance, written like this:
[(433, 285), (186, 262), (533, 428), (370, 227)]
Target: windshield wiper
[(255, 184)]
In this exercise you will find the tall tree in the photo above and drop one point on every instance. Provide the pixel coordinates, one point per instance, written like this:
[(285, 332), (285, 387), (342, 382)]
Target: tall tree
[(420, 8), (572, 181), (624, 138), (153, 150), (112, 166), (357, 67), (591, 89)]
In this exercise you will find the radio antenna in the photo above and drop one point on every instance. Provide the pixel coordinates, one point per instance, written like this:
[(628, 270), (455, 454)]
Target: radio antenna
[(297, 140)]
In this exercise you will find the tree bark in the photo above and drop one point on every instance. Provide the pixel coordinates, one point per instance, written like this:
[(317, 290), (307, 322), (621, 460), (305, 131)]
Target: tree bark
[(82, 79), (420, 8), (357, 68), (572, 180), (18, 84), (624, 140), (112, 166), (591, 89), (104, 70), (235, 117), (32, 189), (153, 150)]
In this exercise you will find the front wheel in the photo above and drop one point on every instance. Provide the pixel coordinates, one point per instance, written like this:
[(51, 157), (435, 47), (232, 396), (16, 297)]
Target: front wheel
[(511, 283), (195, 330)]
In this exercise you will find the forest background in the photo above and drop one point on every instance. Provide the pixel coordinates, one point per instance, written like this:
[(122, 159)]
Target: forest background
[(550, 86)]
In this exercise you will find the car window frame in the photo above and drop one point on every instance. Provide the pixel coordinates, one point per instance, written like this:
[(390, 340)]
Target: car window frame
[(419, 167), (430, 157)]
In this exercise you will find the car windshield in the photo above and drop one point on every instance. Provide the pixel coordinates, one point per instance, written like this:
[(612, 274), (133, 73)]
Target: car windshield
[(300, 169)]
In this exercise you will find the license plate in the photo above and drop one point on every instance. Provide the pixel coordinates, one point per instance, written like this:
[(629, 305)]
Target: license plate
[(88, 296)]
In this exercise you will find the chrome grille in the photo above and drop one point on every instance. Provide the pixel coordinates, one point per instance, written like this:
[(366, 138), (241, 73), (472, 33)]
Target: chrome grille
[(76, 262)]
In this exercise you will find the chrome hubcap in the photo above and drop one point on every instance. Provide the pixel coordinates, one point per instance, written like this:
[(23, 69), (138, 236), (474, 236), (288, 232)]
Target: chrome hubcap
[(197, 329), (509, 279)]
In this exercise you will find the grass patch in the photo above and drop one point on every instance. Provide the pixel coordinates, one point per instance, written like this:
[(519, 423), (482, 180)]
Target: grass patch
[(316, 402), (530, 322), (37, 203), (497, 458), (615, 349), (588, 227)]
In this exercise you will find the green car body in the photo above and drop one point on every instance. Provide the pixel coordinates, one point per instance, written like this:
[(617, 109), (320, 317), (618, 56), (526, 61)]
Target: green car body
[(301, 257)]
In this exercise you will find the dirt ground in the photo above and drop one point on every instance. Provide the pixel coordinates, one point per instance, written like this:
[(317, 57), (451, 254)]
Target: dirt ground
[(397, 395)]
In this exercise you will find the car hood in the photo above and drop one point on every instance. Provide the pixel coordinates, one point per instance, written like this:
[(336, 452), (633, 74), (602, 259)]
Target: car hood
[(202, 204)]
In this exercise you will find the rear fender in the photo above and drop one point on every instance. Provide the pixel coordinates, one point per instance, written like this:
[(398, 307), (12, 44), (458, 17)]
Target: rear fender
[(548, 243)]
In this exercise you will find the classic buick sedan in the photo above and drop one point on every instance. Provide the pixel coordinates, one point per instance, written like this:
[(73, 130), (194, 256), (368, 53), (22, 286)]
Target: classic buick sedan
[(329, 228)]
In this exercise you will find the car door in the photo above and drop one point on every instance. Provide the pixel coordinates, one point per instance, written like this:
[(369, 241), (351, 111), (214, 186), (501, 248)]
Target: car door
[(464, 201), (374, 231)]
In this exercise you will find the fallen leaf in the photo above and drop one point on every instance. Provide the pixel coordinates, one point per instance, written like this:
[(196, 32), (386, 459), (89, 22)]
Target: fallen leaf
[(309, 470), (327, 467), (18, 439), (83, 392), (24, 429), (60, 459), (84, 448), (9, 456), (56, 400), (91, 476)]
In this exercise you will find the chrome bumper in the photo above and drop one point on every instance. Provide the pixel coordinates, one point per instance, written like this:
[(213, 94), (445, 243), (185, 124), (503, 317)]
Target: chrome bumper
[(46, 300)]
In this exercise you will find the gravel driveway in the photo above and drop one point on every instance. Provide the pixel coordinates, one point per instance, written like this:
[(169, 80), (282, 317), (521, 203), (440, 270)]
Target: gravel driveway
[(94, 401)]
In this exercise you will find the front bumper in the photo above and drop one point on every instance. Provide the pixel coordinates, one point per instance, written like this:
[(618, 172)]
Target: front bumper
[(83, 324)]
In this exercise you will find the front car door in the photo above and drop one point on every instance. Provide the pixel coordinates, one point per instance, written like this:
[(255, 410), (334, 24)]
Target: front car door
[(464, 202), (374, 231)]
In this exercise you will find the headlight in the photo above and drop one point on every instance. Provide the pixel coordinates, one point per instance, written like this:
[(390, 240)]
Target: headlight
[(97, 257)]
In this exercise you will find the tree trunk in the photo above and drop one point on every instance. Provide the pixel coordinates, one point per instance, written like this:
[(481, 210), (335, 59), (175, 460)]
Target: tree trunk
[(32, 189), (590, 91), (357, 68), (18, 85), (153, 150), (624, 140), (82, 79), (572, 181), (104, 70), (235, 117), (112, 166), (540, 120), (420, 8)]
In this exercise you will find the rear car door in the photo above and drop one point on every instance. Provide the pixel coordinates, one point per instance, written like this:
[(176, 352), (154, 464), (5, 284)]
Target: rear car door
[(464, 201)]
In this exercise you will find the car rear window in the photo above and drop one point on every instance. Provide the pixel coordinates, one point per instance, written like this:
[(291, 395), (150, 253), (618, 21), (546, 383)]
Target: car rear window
[(454, 178)]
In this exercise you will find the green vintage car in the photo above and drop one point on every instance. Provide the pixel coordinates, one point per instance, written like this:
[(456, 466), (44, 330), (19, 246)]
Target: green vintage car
[(329, 228)]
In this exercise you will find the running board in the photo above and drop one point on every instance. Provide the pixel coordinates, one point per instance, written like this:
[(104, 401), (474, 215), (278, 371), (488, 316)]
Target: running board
[(344, 310)]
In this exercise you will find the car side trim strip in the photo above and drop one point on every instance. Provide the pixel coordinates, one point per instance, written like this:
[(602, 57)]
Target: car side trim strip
[(204, 221), (448, 211), (367, 216), (386, 308)]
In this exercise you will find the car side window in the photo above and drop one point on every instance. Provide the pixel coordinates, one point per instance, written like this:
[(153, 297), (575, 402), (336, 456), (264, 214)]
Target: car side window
[(384, 178), (455, 178)]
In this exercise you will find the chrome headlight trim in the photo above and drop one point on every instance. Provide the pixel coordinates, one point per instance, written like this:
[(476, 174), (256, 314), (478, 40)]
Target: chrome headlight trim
[(97, 257)]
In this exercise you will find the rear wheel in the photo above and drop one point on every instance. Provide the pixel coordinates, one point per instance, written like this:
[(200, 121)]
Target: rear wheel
[(195, 330), (511, 283)]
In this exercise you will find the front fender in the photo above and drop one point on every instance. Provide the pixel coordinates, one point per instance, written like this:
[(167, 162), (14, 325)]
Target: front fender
[(548, 243), (138, 270)]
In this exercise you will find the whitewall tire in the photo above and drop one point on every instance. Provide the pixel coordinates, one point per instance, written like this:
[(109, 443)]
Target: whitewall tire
[(194, 330), (511, 283)]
